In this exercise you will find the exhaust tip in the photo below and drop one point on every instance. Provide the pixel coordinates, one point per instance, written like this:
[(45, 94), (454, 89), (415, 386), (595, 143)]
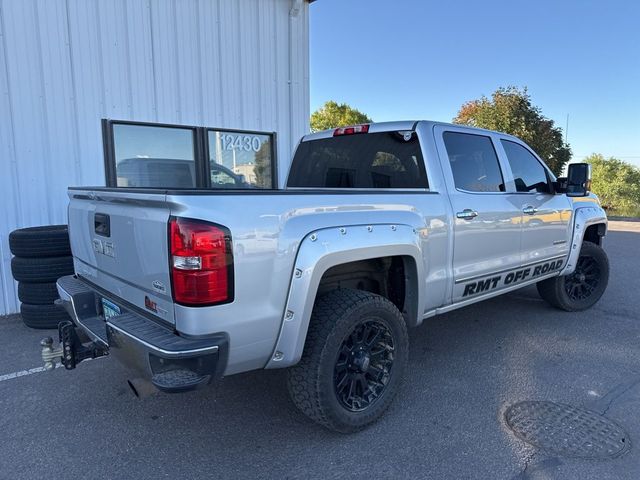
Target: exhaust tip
[(141, 388)]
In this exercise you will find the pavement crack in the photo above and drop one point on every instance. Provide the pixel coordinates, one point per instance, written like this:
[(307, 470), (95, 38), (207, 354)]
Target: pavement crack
[(532, 470), (605, 403), (524, 473)]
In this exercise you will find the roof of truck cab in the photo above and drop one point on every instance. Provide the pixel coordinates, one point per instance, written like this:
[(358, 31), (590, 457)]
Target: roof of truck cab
[(402, 125)]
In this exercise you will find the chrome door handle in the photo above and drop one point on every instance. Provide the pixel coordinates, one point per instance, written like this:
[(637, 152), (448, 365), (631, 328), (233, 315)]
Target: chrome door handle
[(529, 210), (467, 214)]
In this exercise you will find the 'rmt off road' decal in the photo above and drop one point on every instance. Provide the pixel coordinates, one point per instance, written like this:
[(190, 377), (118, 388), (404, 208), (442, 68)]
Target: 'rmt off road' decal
[(510, 278)]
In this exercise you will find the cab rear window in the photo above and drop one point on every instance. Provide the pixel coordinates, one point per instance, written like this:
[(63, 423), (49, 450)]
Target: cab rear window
[(381, 160)]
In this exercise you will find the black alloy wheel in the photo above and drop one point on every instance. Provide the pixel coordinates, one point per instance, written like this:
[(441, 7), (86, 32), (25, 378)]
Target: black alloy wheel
[(582, 288), (353, 361), (581, 284), (363, 366)]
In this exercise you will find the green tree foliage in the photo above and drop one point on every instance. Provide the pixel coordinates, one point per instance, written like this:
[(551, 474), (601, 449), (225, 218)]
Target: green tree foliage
[(333, 115), (262, 169), (510, 110), (617, 183)]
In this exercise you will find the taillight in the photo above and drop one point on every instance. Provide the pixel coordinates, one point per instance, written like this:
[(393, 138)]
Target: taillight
[(201, 262), (351, 130)]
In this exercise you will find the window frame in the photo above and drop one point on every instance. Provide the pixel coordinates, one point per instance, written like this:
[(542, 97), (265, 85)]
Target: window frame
[(462, 131), (547, 171), (201, 153)]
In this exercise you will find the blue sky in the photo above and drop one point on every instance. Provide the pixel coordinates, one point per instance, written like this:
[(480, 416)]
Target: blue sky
[(412, 59)]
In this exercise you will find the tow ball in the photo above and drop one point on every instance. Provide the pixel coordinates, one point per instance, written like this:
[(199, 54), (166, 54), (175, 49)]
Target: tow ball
[(70, 350)]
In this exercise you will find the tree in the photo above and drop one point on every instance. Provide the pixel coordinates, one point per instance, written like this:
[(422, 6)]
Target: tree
[(617, 183), (333, 115), (262, 169), (510, 110)]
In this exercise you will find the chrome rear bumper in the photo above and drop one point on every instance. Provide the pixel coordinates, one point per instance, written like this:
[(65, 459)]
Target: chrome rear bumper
[(173, 362)]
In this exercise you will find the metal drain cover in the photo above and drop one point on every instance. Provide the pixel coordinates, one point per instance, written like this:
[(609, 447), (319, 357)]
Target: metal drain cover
[(566, 430)]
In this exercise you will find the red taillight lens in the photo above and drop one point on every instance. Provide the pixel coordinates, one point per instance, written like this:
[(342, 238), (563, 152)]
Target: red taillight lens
[(201, 262), (351, 130)]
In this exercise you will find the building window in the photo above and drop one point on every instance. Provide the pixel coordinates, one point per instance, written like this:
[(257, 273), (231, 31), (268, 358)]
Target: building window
[(240, 157), (147, 155), (154, 157)]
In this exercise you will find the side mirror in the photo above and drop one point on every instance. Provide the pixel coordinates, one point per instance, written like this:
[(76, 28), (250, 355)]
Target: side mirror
[(579, 180)]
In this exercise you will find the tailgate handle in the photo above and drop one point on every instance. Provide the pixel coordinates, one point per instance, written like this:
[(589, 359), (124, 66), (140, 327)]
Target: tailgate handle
[(102, 224)]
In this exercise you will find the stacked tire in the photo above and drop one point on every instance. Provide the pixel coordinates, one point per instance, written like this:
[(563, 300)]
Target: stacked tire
[(41, 256)]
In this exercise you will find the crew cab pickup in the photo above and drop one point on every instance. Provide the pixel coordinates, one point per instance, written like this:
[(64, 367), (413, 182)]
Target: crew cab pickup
[(379, 227)]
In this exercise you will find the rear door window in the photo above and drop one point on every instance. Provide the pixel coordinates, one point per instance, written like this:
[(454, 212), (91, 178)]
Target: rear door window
[(474, 162), (528, 173), (380, 160)]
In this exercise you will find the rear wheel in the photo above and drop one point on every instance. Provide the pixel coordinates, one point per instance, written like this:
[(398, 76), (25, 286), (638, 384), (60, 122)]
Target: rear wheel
[(353, 361), (584, 287)]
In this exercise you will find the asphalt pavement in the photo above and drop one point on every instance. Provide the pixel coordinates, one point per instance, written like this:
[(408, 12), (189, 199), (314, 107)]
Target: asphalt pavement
[(466, 368)]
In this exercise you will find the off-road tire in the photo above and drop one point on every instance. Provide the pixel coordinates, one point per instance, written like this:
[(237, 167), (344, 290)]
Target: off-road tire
[(38, 242), (41, 270), (37, 293), (555, 290), (42, 316), (335, 317)]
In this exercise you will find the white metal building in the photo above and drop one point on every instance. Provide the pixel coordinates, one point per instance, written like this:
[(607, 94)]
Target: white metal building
[(65, 65)]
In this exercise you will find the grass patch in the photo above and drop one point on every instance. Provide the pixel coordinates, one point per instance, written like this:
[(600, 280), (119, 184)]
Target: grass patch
[(633, 212)]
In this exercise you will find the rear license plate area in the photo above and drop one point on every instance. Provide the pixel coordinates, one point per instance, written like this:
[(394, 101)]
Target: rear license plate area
[(109, 309)]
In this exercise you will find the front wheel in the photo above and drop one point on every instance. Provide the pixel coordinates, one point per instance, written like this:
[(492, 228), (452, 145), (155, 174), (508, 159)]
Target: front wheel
[(353, 360), (584, 287)]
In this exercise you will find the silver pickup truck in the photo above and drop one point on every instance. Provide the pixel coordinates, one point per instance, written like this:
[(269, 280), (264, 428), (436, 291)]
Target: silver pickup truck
[(379, 227)]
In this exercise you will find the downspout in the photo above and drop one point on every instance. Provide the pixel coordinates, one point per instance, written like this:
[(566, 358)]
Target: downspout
[(294, 11)]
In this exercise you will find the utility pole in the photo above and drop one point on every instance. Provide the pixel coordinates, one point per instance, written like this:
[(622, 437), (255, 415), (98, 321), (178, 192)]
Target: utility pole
[(566, 132)]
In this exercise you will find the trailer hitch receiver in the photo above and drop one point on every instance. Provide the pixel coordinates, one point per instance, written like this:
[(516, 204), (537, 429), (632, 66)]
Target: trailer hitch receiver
[(71, 350)]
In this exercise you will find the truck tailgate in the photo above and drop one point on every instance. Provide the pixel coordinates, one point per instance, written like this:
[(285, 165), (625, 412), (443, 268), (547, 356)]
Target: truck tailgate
[(120, 244)]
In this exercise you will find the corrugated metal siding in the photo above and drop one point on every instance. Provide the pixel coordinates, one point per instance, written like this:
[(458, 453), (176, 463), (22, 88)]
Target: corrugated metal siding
[(64, 65)]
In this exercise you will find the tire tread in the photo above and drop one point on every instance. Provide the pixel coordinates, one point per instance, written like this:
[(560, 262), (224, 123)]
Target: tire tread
[(42, 316), (37, 293), (39, 242), (41, 270), (552, 289), (304, 382)]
